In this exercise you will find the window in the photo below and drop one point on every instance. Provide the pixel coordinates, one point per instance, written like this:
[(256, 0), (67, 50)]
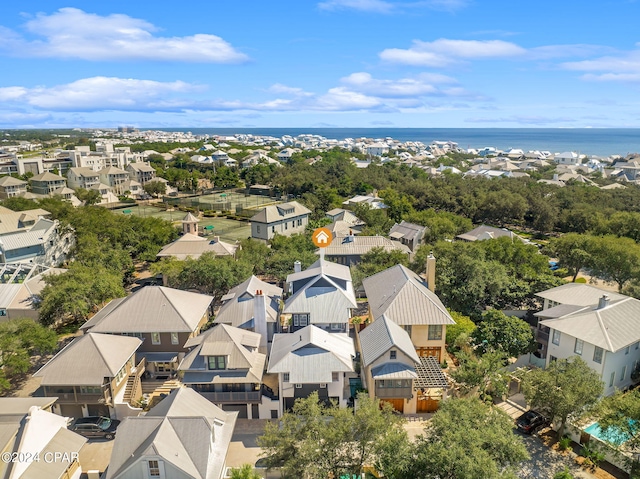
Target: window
[(336, 327), (217, 362), (304, 319), (435, 332), (612, 378), (556, 337), (578, 347), (392, 354), (155, 338), (624, 373), (296, 320), (300, 222), (407, 328), (174, 338), (258, 229), (286, 225), (552, 359), (626, 350), (273, 229), (154, 468), (285, 377), (335, 377), (597, 355)]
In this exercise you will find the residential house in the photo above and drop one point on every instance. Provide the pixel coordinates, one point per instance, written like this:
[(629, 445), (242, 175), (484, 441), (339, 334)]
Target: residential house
[(344, 222), (226, 367), (45, 242), (284, 219), (562, 300), (20, 288), (183, 437), (192, 246), (484, 232), (321, 295), (115, 179), (348, 250), (14, 221), (82, 177), (403, 297), (394, 373), (11, 187), (164, 318), (606, 336), (106, 194), (408, 234), (376, 149), (30, 430), (312, 360), (373, 201), (46, 183), (141, 172), (253, 305), (90, 374), (567, 158)]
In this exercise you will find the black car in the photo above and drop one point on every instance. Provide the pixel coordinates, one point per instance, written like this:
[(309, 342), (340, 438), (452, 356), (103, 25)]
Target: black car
[(530, 421), (95, 426)]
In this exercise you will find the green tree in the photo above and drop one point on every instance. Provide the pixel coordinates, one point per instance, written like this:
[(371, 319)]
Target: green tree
[(573, 251), (484, 377), (155, 188), (616, 259), (374, 261), (245, 472), (464, 325), (566, 387), (88, 197), (314, 440), (20, 339), (467, 439), (619, 417), (506, 334)]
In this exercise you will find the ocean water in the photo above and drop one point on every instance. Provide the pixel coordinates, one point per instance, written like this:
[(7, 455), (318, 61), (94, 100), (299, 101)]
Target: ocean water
[(590, 141)]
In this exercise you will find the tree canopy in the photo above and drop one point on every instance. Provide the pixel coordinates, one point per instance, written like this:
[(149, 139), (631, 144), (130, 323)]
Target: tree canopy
[(508, 335)]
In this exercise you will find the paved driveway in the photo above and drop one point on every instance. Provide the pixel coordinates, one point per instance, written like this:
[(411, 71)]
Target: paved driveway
[(545, 462)]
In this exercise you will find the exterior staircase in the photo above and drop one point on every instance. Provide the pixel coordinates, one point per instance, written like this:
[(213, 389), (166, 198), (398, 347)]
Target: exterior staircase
[(154, 391)]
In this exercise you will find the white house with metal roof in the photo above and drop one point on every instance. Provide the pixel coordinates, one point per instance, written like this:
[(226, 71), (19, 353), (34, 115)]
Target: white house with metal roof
[(89, 376), (409, 234), (29, 430), (183, 437), (192, 246), (20, 288), (403, 297), (606, 336), (253, 305), (226, 367), (312, 360), (45, 242), (164, 318), (284, 219), (321, 295)]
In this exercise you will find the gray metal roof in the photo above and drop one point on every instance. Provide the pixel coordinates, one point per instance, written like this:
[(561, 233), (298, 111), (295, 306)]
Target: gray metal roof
[(407, 230), (238, 304), (64, 441), (88, 359), (184, 429), (322, 267), (612, 328), (283, 211), (311, 355), (484, 232), (18, 406), (37, 235), (238, 345), (11, 221), (382, 335), (578, 294), (558, 311), (155, 309), (402, 296), (359, 245), (394, 371), (193, 246)]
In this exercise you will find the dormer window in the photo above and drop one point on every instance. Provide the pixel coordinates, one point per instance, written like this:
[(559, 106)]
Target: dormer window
[(217, 362)]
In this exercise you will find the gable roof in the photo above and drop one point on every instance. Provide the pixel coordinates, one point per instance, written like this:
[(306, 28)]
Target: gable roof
[(612, 327), (403, 297), (193, 246), (88, 359), (311, 355), (238, 304), (578, 294), (184, 429), (152, 309), (360, 245), (484, 232), (238, 345), (410, 231), (340, 214), (380, 336), (283, 211)]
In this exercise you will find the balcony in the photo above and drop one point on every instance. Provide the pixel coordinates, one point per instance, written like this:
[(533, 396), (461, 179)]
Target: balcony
[(542, 337), (233, 397)]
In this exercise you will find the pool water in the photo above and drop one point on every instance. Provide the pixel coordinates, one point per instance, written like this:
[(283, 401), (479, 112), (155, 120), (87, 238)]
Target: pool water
[(612, 436)]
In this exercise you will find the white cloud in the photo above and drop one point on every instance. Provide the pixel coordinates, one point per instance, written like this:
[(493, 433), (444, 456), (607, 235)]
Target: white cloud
[(102, 93), (377, 6), (444, 51), (422, 85), (73, 33), (280, 88)]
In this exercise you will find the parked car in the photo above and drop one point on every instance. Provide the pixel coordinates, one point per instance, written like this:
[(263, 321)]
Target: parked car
[(95, 426), (530, 421)]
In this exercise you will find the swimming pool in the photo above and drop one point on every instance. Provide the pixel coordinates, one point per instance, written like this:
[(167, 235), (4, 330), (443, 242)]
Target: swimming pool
[(612, 436)]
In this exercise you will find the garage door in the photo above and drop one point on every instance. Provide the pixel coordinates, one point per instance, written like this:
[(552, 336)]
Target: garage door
[(71, 410), (398, 404), (241, 408)]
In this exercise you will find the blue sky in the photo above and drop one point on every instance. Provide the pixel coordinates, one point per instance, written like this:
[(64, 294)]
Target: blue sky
[(326, 63)]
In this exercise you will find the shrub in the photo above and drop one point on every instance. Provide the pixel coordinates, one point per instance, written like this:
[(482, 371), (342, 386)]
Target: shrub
[(564, 443), (565, 474)]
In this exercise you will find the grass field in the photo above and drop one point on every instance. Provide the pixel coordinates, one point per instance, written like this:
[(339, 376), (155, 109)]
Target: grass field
[(228, 230)]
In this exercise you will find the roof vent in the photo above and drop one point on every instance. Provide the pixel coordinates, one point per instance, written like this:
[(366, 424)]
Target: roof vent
[(604, 301)]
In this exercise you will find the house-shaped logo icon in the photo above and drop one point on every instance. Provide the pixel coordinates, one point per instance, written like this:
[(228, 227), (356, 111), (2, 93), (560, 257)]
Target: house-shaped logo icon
[(322, 237)]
